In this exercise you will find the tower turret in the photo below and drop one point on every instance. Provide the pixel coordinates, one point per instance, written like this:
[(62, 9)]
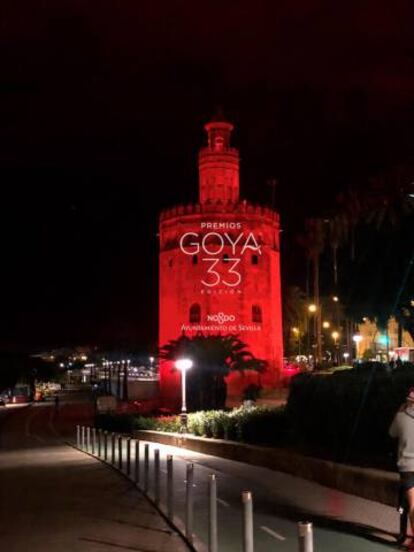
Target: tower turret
[(218, 165)]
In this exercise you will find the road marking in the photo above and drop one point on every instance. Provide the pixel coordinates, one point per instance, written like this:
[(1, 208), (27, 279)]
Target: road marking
[(223, 502), (194, 484), (272, 533)]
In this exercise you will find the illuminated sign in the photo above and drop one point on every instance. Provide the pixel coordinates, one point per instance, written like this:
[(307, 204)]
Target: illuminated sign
[(211, 245)]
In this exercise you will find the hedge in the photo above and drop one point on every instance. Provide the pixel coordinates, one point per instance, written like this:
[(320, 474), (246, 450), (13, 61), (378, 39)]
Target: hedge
[(256, 425), (350, 411)]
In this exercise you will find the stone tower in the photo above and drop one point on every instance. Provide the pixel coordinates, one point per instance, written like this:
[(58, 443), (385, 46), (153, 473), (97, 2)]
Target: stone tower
[(220, 266)]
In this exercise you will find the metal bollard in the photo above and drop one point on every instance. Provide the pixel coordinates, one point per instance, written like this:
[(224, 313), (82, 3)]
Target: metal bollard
[(93, 440), (170, 487), (99, 442), (128, 458), (189, 499), (78, 436), (212, 514), (305, 531), (137, 462), (146, 467), (88, 438), (113, 449), (105, 446), (120, 452), (157, 476), (83, 437), (247, 499)]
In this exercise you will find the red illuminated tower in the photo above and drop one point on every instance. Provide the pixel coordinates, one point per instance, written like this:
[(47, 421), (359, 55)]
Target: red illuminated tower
[(220, 266)]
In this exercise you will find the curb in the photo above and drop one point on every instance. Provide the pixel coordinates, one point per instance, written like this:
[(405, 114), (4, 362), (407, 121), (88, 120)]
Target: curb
[(367, 483)]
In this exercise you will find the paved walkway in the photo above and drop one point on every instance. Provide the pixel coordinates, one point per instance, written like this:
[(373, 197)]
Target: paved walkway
[(54, 498)]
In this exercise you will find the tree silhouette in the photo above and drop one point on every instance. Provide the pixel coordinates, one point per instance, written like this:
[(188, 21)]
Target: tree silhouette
[(214, 357)]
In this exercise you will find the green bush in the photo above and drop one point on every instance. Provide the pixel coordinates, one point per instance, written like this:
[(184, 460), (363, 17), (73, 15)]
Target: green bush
[(162, 423), (251, 425)]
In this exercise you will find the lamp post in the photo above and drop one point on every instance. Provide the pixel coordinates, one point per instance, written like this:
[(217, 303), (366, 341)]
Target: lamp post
[(335, 336), (357, 338), (183, 364), (296, 333)]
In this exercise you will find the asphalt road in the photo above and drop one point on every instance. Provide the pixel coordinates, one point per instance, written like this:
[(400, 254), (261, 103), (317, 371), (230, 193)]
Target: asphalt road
[(342, 522), (54, 498)]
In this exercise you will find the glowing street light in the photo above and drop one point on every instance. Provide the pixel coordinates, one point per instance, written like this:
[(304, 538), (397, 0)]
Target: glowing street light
[(335, 299), (312, 308), (183, 364), (326, 324), (357, 338), (335, 336), (295, 331)]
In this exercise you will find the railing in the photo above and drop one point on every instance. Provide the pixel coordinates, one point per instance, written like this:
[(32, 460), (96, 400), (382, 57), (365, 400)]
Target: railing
[(97, 443)]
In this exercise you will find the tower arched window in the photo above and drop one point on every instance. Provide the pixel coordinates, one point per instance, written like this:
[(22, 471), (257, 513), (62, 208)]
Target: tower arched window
[(255, 259), (195, 259), (195, 314), (225, 258), (256, 314), (170, 263)]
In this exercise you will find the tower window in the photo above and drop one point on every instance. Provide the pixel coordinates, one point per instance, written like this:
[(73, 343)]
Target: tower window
[(255, 259), (195, 314), (195, 259), (170, 263), (225, 258), (256, 314)]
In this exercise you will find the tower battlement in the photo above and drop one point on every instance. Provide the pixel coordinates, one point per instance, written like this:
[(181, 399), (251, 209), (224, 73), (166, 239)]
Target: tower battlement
[(242, 207)]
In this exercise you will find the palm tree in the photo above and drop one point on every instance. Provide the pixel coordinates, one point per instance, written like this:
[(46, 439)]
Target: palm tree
[(338, 234), (294, 312), (314, 243), (214, 356), (390, 199), (351, 207)]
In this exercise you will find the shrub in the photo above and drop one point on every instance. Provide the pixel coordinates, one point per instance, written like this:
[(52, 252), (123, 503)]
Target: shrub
[(162, 423), (349, 411)]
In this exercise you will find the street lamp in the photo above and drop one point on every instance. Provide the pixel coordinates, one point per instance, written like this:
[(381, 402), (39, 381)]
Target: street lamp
[(326, 324), (296, 333), (335, 337), (312, 308), (357, 338), (183, 364)]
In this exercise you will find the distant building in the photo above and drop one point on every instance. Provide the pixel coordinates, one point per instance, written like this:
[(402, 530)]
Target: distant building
[(220, 265), (378, 344)]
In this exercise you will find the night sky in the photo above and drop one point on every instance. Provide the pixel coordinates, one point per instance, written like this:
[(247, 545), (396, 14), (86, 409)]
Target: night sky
[(101, 112)]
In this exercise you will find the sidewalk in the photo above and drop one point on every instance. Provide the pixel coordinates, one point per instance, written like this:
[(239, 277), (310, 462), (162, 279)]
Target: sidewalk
[(53, 497)]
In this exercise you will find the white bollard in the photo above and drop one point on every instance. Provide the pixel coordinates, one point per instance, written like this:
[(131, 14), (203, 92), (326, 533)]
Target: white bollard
[(305, 533), (212, 514), (247, 500), (189, 500), (146, 467), (170, 487), (137, 462)]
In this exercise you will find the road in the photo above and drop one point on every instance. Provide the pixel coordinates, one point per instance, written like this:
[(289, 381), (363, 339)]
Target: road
[(55, 498), (343, 523)]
